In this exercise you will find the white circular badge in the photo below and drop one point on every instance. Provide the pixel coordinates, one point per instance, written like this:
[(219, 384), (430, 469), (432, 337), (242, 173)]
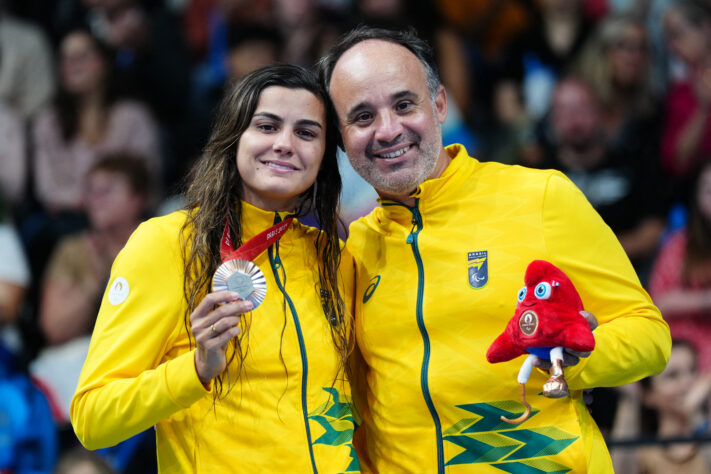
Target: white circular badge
[(118, 291)]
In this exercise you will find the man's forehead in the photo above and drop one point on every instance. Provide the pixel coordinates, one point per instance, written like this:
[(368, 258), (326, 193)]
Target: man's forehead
[(375, 56), (372, 50)]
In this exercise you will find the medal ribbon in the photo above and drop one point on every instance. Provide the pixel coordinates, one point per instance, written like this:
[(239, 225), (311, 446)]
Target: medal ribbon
[(254, 246)]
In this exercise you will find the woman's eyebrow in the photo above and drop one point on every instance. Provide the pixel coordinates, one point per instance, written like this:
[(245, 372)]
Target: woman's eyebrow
[(277, 118)]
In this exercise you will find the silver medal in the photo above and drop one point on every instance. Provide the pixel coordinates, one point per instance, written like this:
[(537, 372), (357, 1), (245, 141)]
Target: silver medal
[(243, 277)]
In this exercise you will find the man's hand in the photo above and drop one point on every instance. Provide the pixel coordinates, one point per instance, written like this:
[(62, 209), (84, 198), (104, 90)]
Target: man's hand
[(570, 357)]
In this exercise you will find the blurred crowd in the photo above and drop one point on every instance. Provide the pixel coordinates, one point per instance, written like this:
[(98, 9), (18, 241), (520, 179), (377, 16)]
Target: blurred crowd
[(105, 105)]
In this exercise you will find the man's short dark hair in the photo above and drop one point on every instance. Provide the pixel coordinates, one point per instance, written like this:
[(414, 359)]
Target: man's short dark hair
[(406, 38)]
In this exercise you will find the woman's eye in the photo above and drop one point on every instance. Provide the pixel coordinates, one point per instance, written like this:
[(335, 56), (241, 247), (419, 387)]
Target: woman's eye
[(308, 134), (543, 290), (522, 294), (266, 127)]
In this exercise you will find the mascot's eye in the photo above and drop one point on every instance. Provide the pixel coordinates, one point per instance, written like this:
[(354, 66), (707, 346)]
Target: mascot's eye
[(543, 290), (522, 293)]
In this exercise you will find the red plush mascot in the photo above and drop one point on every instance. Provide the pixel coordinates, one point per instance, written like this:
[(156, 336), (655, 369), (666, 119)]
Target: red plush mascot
[(547, 320)]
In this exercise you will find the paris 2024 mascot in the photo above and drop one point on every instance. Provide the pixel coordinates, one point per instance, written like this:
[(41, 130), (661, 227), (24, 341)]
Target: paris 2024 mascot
[(547, 320)]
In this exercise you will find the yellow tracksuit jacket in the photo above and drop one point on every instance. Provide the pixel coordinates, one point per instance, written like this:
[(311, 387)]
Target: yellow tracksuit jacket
[(284, 413), (435, 285)]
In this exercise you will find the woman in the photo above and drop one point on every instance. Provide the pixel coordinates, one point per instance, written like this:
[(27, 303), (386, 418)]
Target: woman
[(229, 387), (671, 404), (86, 121), (116, 200), (686, 140), (680, 284), (616, 64)]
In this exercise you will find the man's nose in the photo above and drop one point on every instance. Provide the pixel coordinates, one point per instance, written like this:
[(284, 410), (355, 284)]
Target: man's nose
[(387, 127)]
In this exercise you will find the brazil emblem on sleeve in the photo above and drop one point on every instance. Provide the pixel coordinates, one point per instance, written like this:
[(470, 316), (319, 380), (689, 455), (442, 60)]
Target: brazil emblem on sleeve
[(478, 268)]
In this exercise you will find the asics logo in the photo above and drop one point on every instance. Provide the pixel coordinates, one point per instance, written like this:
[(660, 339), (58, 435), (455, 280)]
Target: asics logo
[(371, 288)]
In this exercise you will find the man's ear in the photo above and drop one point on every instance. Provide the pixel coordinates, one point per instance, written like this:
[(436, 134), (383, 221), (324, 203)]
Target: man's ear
[(440, 104)]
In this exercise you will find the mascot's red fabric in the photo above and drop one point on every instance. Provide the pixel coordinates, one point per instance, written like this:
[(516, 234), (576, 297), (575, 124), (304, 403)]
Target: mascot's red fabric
[(547, 315)]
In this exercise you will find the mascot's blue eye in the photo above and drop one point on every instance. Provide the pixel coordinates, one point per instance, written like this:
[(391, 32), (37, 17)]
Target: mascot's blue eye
[(522, 293), (543, 290)]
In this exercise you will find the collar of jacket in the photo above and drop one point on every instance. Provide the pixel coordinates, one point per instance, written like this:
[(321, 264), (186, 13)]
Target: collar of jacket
[(256, 220), (433, 192)]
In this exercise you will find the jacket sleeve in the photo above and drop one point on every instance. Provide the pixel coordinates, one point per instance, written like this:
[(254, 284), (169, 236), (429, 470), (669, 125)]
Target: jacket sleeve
[(139, 369), (632, 340)]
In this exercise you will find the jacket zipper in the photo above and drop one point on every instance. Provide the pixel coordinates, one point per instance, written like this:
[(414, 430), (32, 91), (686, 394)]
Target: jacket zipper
[(424, 378), (276, 264)]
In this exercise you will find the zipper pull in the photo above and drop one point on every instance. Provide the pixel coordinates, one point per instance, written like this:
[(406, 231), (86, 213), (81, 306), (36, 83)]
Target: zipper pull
[(410, 237), (415, 224)]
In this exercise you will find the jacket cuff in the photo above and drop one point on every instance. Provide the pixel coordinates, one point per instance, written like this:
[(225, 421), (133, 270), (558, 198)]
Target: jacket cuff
[(182, 380)]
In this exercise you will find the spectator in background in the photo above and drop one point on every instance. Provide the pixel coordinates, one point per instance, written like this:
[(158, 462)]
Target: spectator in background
[(14, 281), (201, 16), (677, 396), (669, 405), (484, 29), (624, 188), (248, 47), (86, 120), (81, 461), (116, 198), (680, 283), (686, 141), (13, 172), (152, 64), (548, 49), (26, 74), (616, 64), (308, 28)]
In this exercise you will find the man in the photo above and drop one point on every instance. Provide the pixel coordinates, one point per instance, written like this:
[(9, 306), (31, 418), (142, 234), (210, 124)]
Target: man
[(624, 187), (439, 264)]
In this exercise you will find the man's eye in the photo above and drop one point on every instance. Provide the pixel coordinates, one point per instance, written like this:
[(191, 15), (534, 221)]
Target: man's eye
[(403, 106), (364, 117)]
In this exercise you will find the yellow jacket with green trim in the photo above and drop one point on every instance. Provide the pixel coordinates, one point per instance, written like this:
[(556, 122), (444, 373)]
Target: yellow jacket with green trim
[(285, 412), (435, 285)]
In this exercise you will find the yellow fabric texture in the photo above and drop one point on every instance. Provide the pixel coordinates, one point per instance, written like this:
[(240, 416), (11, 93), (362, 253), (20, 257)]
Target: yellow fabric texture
[(140, 369), (515, 215)]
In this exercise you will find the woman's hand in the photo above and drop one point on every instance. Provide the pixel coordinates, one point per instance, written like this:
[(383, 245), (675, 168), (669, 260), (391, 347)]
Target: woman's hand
[(213, 325)]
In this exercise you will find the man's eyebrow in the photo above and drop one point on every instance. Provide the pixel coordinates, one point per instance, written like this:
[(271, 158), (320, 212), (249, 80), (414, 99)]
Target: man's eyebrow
[(302, 122), (404, 94), (357, 108)]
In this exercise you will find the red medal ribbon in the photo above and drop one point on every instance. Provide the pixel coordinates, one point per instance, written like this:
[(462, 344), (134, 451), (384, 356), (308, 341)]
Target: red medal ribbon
[(254, 246)]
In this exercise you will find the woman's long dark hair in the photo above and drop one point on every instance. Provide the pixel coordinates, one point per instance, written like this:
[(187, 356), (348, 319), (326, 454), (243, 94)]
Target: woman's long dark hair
[(67, 104), (213, 192), (697, 258)]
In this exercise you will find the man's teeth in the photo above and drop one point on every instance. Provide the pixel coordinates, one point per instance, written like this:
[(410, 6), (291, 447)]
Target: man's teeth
[(278, 166), (395, 154)]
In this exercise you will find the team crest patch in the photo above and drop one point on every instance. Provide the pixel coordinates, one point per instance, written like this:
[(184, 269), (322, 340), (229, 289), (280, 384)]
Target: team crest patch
[(478, 268)]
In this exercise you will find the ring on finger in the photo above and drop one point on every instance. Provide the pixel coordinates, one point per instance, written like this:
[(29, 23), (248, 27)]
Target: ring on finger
[(213, 330)]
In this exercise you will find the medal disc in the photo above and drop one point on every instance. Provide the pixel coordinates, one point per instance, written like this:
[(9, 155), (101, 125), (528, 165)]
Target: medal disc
[(241, 276)]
